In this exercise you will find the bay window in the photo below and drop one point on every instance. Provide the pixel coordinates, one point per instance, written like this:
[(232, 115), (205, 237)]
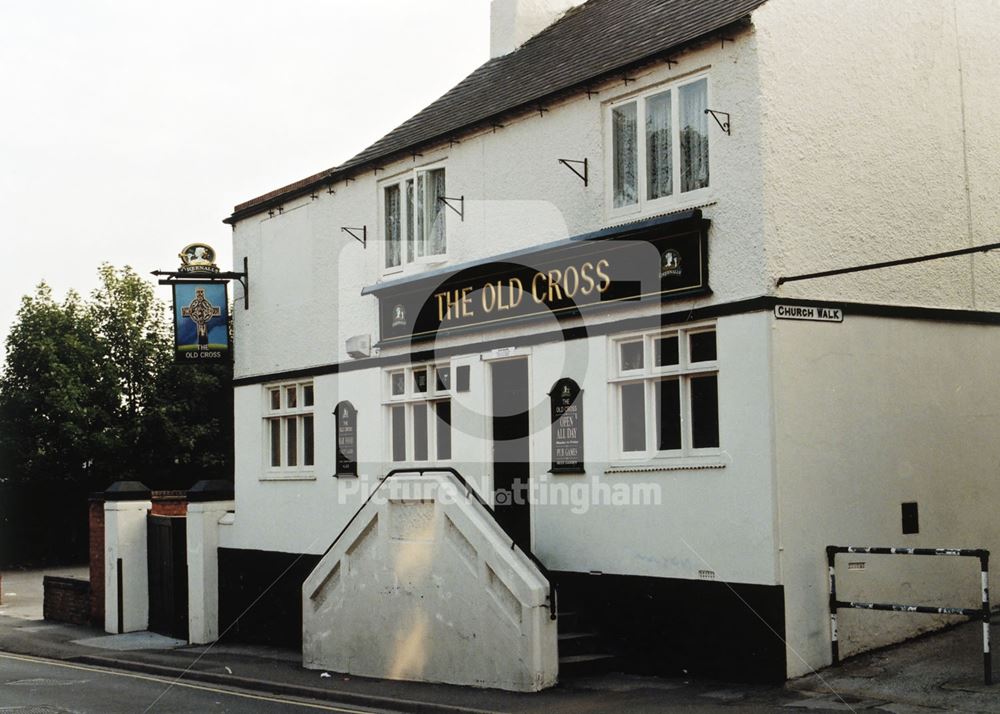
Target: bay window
[(659, 146)]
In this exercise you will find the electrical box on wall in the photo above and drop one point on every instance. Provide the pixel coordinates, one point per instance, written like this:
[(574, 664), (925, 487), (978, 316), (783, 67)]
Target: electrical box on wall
[(359, 346)]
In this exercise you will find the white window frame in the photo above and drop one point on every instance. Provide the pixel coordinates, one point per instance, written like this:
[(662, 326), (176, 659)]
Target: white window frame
[(405, 263), (283, 415), (408, 400), (648, 376), (677, 199)]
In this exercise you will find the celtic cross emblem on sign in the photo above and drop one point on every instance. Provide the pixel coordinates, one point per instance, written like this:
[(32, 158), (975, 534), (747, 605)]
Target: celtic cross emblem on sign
[(201, 312)]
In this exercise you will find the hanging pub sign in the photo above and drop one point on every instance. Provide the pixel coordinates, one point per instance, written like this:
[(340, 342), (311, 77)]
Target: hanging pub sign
[(662, 260), (347, 439), (567, 427), (201, 322)]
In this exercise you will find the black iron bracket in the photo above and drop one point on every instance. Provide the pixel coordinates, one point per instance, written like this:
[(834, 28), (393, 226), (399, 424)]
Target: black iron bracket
[(627, 79), (497, 125), (168, 277), (542, 110), (330, 189), (724, 125), (351, 231), (461, 205), (568, 163), (591, 92)]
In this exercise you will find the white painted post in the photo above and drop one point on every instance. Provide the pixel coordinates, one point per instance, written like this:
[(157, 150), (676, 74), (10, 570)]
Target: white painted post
[(208, 501), (126, 574)]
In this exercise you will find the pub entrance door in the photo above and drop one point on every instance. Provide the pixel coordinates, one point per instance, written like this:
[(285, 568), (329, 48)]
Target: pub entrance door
[(511, 449)]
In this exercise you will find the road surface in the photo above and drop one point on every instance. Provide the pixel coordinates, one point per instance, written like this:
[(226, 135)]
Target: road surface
[(32, 685)]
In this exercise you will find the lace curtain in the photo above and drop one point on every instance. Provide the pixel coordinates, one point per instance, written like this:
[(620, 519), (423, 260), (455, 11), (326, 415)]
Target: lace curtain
[(625, 152), (436, 244), (694, 135), (392, 245), (659, 146)]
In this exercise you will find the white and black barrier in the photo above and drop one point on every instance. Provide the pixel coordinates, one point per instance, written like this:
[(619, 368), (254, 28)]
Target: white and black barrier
[(981, 613)]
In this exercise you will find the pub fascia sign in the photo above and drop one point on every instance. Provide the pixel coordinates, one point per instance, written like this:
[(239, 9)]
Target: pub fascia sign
[(662, 262)]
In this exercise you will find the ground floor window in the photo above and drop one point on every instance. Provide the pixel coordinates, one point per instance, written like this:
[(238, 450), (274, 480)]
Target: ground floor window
[(289, 423), (419, 407), (666, 389)]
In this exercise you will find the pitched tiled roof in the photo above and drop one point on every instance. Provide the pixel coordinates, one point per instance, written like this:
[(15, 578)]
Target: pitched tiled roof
[(587, 43)]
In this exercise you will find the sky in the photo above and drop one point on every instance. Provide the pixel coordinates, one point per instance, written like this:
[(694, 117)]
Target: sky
[(129, 129)]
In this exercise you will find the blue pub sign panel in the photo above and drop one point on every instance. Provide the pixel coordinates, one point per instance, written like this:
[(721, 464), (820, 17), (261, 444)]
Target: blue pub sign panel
[(201, 322)]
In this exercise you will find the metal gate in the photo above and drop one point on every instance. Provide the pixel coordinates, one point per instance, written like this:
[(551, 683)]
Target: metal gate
[(167, 559)]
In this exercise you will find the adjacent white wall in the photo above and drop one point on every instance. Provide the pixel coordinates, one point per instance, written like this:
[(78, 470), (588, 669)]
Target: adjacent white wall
[(879, 142), (869, 414)]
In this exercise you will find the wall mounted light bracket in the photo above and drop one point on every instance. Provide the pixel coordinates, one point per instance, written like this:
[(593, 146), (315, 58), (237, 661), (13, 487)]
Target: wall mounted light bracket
[(569, 164), (461, 205), (717, 115), (358, 234)]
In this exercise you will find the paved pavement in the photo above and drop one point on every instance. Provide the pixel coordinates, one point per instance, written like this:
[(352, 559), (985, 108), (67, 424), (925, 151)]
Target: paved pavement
[(22, 589), (89, 670)]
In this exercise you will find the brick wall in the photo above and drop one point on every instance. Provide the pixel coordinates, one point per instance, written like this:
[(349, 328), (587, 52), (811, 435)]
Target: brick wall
[(66, 600), (97, 560), (169, 503)]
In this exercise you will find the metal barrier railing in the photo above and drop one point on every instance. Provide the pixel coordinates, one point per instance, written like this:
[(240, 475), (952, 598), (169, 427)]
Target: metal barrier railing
[(981, 613)]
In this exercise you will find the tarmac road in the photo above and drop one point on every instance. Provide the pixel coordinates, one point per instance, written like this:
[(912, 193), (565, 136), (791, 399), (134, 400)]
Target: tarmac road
[(33, 685)]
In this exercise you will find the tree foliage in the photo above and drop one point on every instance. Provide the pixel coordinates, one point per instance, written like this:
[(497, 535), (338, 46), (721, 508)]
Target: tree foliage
[(90, 391), (57, 395)]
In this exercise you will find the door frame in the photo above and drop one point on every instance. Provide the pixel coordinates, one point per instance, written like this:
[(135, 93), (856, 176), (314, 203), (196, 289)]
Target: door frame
[(517, 353)]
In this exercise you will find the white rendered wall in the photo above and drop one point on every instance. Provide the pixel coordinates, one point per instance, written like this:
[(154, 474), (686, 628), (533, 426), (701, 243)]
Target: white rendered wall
[(880, 141), (307, 275), (628, 523), (869, 414), (712, 514), (425, 586), (125, 538)]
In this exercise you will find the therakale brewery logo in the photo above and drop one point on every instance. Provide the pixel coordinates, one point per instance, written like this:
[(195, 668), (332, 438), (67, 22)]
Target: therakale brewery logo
[(398, 316), (198, 258), (670, 263)]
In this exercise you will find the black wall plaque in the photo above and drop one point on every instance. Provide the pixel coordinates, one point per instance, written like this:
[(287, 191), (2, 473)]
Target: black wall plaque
[(663, 262), (347, 439), (567, 427)]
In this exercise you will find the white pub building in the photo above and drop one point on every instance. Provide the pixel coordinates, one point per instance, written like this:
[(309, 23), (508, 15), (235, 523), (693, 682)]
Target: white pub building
[(543, 380)]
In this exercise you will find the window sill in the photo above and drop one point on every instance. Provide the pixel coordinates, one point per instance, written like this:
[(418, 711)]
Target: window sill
[(640, 468), (622, 216), (416, 267), (289, 476)]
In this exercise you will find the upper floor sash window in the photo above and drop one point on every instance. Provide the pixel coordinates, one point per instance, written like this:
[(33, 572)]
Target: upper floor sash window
[(413, 218), (659, 147)]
